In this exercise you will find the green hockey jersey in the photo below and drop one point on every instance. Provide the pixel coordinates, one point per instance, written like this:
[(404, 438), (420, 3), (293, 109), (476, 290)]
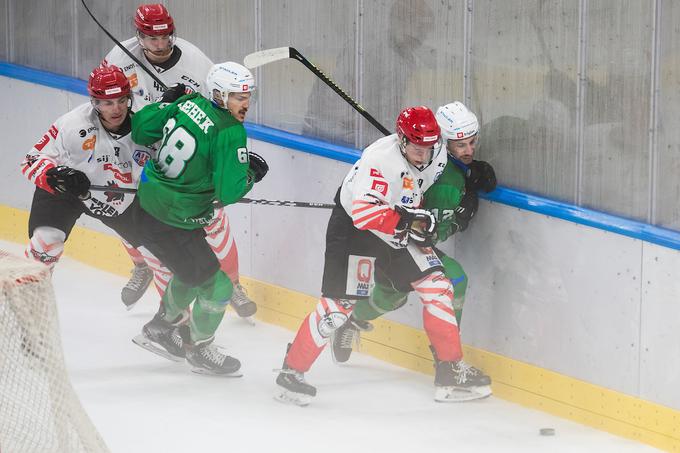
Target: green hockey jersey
[(202, 158), (444, 196)]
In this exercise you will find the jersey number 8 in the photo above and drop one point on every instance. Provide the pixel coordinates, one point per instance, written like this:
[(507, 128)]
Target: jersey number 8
[(178, 148)]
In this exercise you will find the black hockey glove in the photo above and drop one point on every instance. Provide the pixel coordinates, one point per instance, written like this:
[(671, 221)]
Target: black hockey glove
[(481, 177), (465, 211), (173, 93), (68, 180), (421, 225), (258, 166)]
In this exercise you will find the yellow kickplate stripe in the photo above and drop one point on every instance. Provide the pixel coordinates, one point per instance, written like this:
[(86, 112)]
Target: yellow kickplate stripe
[(408, 347)]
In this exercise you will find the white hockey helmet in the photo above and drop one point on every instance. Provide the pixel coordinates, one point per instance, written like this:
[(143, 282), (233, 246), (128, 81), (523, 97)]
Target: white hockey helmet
[(229, 77), (456, 121)]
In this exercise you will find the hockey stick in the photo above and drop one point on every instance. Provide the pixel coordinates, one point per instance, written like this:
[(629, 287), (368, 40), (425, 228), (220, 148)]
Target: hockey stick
[(263, 57), (291, 204), (127, 52)]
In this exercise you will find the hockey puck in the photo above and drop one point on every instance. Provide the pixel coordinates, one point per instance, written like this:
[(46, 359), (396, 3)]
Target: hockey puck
[(547, 431)]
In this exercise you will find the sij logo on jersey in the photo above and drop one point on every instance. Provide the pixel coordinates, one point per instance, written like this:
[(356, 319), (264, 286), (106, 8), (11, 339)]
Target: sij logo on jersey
[(380, 187), (376, 173), (141, 157), (120, 176), (408, 183)]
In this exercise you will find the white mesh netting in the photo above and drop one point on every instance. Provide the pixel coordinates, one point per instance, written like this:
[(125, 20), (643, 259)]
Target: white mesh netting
[(39, 411)]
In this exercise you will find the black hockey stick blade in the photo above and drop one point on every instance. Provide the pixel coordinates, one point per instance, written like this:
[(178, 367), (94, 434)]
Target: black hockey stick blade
[(291, 204), (122, 47), (263, 57)]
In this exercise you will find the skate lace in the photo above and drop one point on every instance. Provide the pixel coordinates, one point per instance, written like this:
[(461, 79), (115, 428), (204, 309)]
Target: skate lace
[(139, 275), (239, 297), (176, 338), (350, 337), (463, 370), (212, 353)]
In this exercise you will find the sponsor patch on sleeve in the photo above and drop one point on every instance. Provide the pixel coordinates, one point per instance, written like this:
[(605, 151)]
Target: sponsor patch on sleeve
[(379, 186)]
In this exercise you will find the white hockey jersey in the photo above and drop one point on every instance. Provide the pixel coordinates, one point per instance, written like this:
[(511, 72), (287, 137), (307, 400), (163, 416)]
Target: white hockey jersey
[(383, 179), (187, 65), (78, 140)]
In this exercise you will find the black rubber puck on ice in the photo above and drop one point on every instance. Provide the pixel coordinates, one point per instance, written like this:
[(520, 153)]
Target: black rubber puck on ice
[(547, 431)]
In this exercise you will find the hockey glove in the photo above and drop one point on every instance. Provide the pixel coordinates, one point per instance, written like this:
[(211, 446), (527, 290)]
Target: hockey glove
[(258, 166), (68, 181), (173, 93), (421, 225), (481, 177), (465, 211)]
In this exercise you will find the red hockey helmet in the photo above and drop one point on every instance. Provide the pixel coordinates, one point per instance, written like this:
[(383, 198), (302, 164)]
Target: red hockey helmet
[(154, 20), (108, 82), (419, 126)]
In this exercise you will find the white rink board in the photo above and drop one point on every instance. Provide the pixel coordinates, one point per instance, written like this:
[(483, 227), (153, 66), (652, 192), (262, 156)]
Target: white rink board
[(552, 293)]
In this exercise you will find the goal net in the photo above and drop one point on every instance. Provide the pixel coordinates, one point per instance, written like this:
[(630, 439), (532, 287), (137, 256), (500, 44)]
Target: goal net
[(39, 411)]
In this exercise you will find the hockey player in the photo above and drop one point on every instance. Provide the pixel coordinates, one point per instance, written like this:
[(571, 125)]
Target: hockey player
[(174, 61), (202, 158), (453, 201), (378, 230), (90, 144)]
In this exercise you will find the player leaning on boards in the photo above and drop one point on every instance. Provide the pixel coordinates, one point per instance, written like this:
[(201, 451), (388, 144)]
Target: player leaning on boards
[(173, 60), (202, 158), (453, 201), (377, 229), (89, 144)]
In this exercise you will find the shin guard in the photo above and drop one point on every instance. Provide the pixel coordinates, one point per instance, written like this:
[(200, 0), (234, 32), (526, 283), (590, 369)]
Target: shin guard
[(312, 336), (439, 320)]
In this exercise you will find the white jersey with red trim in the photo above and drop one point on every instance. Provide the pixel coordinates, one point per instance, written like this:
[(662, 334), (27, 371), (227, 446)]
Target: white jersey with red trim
[(383, 179), (78, 140), (187, 65)]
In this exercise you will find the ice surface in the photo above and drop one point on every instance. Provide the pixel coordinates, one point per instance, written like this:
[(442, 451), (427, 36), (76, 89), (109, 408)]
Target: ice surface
[(143, 403)]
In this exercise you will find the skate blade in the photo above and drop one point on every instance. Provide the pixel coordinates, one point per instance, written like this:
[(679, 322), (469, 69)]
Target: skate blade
[(143, 342), (131, 306), (249, 320), (204, 372), (297, 399), (458, 394)]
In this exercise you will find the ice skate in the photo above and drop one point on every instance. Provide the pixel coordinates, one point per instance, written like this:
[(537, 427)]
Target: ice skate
[(207, 358), (293, 389), (162, 337), (458, 381), (345, 337), (135, 287), (242, 304)]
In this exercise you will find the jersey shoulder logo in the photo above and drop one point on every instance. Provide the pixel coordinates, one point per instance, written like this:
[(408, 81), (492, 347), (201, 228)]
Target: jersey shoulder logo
[(380, 187), (42, 142)]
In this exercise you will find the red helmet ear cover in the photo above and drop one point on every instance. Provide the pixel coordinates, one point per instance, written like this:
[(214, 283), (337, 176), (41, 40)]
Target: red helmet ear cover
[(418, 125)]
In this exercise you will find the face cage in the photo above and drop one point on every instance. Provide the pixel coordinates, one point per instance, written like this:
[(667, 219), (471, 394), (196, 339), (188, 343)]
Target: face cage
[(95, 103), (403, 141), (142, 35)]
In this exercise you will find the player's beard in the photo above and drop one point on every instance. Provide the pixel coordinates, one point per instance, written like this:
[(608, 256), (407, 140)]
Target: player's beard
[(159, 54)]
